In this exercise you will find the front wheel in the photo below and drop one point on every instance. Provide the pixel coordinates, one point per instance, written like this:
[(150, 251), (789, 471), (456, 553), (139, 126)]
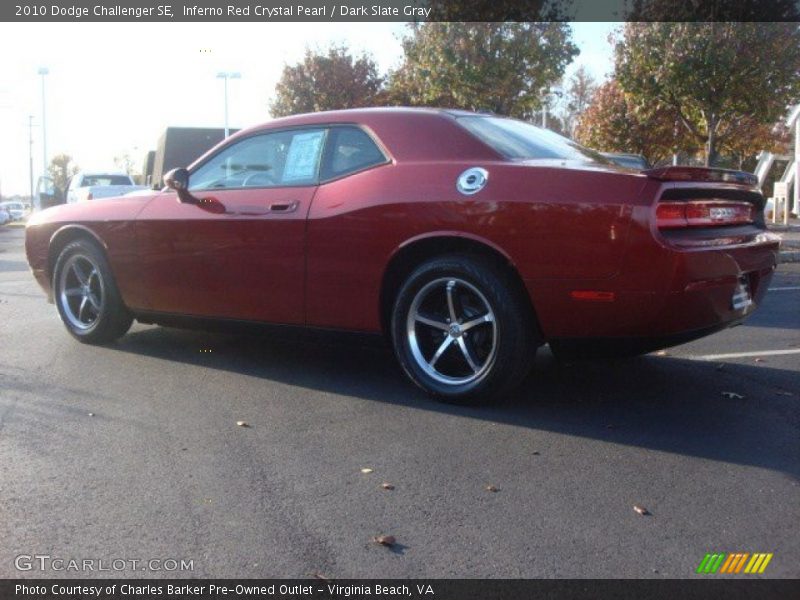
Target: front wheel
[(86, 295), (462, 331)]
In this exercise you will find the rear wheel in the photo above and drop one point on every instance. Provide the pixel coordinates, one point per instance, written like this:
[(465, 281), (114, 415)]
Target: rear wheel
[(461, 330), (86, 295)]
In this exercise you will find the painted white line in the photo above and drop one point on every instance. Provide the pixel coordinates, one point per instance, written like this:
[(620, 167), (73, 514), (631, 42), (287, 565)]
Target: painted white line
[(784, 289), (745, 354)]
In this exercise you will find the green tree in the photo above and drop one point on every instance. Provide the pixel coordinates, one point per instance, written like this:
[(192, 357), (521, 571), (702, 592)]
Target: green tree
[(579, 91), (711, 10), (753, 137), (716, 77), (613, 123), (502, 67), (328, 80), (61, 169)]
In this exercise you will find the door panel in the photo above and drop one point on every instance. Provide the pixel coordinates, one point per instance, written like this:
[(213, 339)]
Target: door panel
[(239, 254)]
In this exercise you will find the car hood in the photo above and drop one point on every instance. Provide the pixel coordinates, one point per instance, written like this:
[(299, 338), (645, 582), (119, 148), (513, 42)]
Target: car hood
[(109, 209)]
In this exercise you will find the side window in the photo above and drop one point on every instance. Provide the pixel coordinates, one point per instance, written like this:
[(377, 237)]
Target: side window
[(268, 160), (349, 149)]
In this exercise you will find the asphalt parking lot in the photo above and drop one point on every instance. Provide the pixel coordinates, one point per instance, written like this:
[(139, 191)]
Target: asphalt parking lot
[(132, 451)]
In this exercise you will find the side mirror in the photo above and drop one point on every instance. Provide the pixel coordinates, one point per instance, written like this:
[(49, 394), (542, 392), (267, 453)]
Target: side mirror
[(178, 180)]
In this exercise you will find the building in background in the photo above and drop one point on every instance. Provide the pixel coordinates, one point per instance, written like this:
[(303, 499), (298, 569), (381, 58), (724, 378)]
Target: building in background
[(179, 147)]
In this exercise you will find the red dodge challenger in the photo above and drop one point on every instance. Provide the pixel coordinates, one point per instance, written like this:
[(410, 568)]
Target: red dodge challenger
[(468, 239)]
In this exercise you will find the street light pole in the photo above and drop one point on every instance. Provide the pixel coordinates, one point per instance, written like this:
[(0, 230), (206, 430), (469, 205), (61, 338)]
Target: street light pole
[(30, 157), (548, 93), (44, 71), (225, 75)]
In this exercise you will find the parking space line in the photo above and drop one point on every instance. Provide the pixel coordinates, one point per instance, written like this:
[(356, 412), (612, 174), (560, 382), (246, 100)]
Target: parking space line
[(784, 289), (744, 354)]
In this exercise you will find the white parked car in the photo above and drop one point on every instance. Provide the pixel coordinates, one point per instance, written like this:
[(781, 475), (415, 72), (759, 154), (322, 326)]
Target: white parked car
[(4, 217), (93, 186), (16, 210)]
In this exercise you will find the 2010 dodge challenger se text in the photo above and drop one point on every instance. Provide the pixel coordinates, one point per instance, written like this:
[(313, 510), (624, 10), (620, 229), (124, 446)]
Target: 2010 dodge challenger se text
[(468, 239)]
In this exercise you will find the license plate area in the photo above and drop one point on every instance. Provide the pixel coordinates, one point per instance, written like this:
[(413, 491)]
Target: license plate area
[(742, 296)]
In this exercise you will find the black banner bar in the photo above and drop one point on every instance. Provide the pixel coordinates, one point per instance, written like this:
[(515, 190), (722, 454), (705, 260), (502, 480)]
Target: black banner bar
[(397, 10), (414, 589)]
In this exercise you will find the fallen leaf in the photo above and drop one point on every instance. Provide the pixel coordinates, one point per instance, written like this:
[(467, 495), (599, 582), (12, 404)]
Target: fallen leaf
[(535, 453), (641, 510), (733, 396), (759, 360), (387, 486), (242, 424), (384, 540), (320, 576), (366, 470), (491, 488)]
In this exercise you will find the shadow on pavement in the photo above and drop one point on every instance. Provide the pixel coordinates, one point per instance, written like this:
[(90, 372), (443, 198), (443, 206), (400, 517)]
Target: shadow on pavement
[(655, 402)]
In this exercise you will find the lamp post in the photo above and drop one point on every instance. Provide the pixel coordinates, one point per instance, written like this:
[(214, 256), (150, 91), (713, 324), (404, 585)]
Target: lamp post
[(43, 71), (30, 158), (225, 76), (548, 93)]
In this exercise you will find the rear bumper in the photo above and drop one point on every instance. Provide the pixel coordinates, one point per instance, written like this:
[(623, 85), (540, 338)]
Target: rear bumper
[(684, 295)]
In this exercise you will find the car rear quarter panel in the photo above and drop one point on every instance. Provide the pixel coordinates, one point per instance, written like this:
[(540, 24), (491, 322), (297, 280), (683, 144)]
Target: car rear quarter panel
[(551, 222)]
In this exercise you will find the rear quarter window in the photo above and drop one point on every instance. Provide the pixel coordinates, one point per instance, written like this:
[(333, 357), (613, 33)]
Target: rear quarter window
[(348, 150)]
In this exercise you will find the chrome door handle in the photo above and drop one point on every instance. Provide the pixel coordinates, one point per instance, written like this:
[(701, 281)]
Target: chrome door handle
[(284, 207)]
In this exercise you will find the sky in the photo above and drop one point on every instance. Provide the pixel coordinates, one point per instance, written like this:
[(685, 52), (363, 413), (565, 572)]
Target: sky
[(113, 88)]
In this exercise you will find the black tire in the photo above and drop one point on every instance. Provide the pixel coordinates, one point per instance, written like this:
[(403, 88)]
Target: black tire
[(482, 369), (86, 295)]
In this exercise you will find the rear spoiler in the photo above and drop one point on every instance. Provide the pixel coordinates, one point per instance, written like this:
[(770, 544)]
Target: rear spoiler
[(703, 174)]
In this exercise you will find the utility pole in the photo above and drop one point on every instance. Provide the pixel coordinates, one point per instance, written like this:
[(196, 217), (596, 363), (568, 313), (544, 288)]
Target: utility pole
[(44, 71), (30, 157), (225, 75)]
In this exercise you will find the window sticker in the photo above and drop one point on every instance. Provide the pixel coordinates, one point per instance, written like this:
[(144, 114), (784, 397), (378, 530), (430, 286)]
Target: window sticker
[(303, 156)]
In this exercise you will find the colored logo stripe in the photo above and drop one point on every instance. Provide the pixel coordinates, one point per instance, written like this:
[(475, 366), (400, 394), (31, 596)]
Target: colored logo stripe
[(710, 563), (758, 563), (721, 562)]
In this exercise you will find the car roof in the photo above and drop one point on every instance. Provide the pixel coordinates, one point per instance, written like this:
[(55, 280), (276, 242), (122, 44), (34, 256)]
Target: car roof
[(422, 133), (357, 115), (103, 174)]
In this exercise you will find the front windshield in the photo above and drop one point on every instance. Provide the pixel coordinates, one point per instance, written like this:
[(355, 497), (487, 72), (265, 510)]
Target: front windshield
[(518, 140)]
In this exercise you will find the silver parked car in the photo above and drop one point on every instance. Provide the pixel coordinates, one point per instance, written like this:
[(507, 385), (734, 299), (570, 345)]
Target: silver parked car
[(16, 210)]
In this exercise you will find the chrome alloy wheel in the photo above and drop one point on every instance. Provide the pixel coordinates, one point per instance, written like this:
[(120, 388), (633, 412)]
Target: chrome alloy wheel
[(452, 331), (81, 292)]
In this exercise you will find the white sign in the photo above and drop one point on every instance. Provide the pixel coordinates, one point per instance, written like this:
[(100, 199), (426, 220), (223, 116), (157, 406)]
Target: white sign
[(303, 156)]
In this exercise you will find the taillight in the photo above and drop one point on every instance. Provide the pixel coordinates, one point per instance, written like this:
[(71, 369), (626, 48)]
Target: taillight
[(675, 215)]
